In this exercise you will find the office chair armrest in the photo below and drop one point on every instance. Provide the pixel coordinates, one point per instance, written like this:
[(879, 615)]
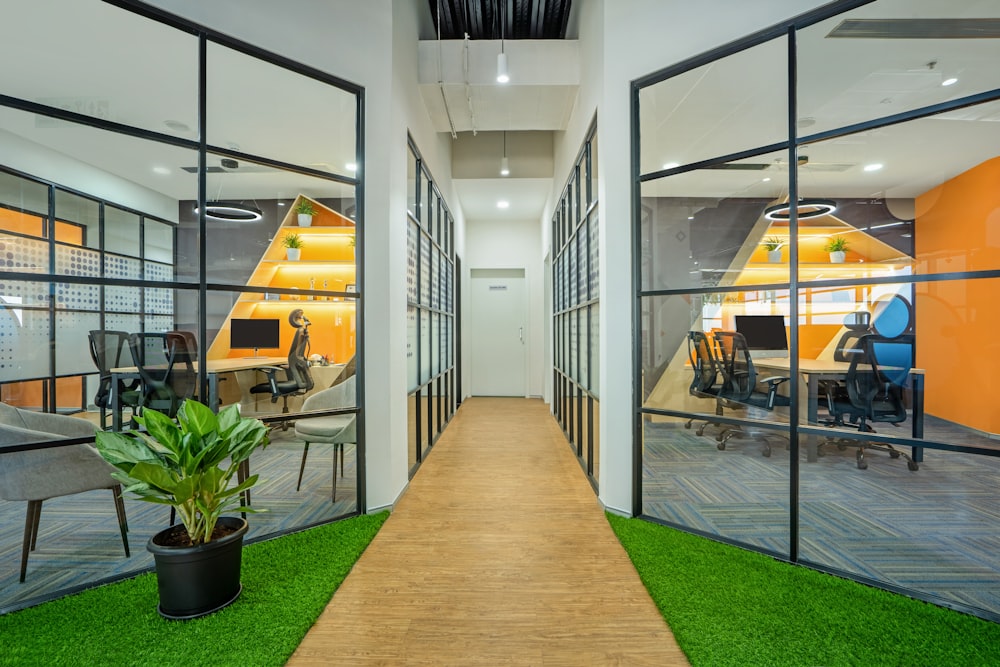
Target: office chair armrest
[(774, 380)]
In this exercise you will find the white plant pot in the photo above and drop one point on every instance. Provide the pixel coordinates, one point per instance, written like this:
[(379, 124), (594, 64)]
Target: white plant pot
[(293, 254), (305, 220), (838, 256), (774, 256)]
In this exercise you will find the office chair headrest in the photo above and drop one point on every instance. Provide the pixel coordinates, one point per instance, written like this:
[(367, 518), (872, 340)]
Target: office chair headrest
[(298, 319)]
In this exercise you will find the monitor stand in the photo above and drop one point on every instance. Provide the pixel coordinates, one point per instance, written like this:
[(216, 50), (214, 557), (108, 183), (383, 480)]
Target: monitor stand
[(255, 354)]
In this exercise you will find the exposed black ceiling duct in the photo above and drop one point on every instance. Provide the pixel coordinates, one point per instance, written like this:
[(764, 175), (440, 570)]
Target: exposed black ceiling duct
[(480, 19)]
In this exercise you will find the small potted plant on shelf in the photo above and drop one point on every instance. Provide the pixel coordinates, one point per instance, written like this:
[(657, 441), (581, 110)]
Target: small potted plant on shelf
[(305, 211), (189, 465), (773, 246), (837, 247), (293, 246)]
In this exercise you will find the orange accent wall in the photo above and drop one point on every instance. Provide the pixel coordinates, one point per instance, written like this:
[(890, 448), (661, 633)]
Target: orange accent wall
[(957, 228)]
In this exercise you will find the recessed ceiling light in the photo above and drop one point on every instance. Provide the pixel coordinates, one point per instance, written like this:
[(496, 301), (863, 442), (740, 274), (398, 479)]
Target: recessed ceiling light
[(671, 165), (766, 179), (690, 217), (949, 81), (503, 203), (873, 167), (161, 170), (351, 166)]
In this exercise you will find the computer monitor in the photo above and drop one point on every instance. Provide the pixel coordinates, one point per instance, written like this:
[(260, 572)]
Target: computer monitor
[(765, 334), (254, 333)]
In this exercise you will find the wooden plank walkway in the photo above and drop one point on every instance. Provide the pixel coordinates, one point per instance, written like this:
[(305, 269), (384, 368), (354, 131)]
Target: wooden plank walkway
[(497, 554)]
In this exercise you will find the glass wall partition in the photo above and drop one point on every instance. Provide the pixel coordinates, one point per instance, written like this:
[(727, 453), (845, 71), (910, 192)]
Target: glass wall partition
[(814, 296), (117, 224), (430, 311), (575, 277)]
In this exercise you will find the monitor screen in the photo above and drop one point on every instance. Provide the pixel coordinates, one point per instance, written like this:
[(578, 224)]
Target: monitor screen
[(763, 332), (254, 333)]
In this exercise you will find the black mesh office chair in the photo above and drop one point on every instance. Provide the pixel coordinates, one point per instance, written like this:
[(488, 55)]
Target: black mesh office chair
[(298, 380), (858, 325), (873, 391), (705, 383), (110, 349), (739, 386), (168, 377)]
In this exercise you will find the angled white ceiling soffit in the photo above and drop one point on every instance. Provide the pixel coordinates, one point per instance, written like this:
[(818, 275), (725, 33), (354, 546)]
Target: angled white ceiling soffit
[(457, 81)]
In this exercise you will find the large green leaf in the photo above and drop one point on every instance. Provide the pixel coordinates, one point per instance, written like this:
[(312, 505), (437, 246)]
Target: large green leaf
[(197, 418)]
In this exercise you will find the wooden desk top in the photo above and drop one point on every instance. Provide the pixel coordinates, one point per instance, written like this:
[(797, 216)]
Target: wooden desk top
[(812, 366), (226, 365)]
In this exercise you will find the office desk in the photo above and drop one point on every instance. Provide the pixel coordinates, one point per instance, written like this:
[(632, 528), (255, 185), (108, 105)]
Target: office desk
[(213, 369), (814, 370)]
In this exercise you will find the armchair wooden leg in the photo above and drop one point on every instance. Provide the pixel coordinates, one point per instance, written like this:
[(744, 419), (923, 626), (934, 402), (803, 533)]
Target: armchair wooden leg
[(36, 520), (116, 491), (302, 468), (30, 532)]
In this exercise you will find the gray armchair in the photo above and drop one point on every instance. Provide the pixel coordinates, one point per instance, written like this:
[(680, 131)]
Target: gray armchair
[(40, 474), (336, 429)]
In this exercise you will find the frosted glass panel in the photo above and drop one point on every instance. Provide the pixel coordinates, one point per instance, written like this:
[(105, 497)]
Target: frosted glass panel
[(595, 368), (425, 346), (72, 347), (411, 349), (412, 234), (23, 255), (435, 344), (159, 241), (24, 337), (77, 297)]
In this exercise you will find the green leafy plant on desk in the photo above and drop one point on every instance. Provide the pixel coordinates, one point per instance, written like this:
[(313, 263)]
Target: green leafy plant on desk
[(293, 244)]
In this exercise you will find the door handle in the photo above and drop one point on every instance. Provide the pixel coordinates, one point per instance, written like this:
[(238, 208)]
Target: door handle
[(520, 334)]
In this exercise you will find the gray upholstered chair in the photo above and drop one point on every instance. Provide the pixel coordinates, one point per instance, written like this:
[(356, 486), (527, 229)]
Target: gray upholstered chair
[(39, 474), (335, 429)]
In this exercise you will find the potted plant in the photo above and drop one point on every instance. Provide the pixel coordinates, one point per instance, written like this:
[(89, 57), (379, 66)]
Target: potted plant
[(352, 241), (837, 247), (305, 211), (189, 466), (773, 246), (293, 246)]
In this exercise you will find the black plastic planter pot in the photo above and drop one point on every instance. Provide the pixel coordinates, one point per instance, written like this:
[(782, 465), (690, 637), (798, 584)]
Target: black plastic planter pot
[(195, 581)]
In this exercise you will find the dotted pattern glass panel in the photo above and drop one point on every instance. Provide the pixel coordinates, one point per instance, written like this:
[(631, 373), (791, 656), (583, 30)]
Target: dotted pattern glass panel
[(581, 263), (77, 261), (159, 300), (25, 255), (160, 272), (574, 340), (411, 261), (595, 274), (24, 340), (435, 281), (28, 294), (159, 323), (435, 344), (447, 294), (425, 269), (448, 352), (584, 329), (72, 346), (77, 297), (571, 300), (425, 346), (122, 299), (128, 323), (125, 268)]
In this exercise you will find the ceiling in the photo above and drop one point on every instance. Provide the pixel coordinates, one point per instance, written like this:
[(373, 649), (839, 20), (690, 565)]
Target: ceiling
[(500, 19)]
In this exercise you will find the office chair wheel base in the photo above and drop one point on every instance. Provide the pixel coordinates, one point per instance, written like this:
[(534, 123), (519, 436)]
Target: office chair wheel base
[(893, 454), (766, 451), (841, 446), (688, 424), (721, 446), (913, 466), (862, 464), (701, 429)]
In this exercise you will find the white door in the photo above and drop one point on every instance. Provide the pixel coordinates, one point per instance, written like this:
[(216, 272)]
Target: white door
[(498, 330)]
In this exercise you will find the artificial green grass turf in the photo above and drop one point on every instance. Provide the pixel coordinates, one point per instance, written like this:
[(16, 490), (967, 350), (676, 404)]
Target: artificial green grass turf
[(286, 584), (730, 606)]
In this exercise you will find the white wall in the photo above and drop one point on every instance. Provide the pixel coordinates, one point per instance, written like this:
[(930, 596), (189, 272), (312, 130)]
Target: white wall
[(514, 245)]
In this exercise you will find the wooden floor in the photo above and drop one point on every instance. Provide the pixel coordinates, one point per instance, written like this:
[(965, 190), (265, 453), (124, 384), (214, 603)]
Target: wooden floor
[(498, 554)]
